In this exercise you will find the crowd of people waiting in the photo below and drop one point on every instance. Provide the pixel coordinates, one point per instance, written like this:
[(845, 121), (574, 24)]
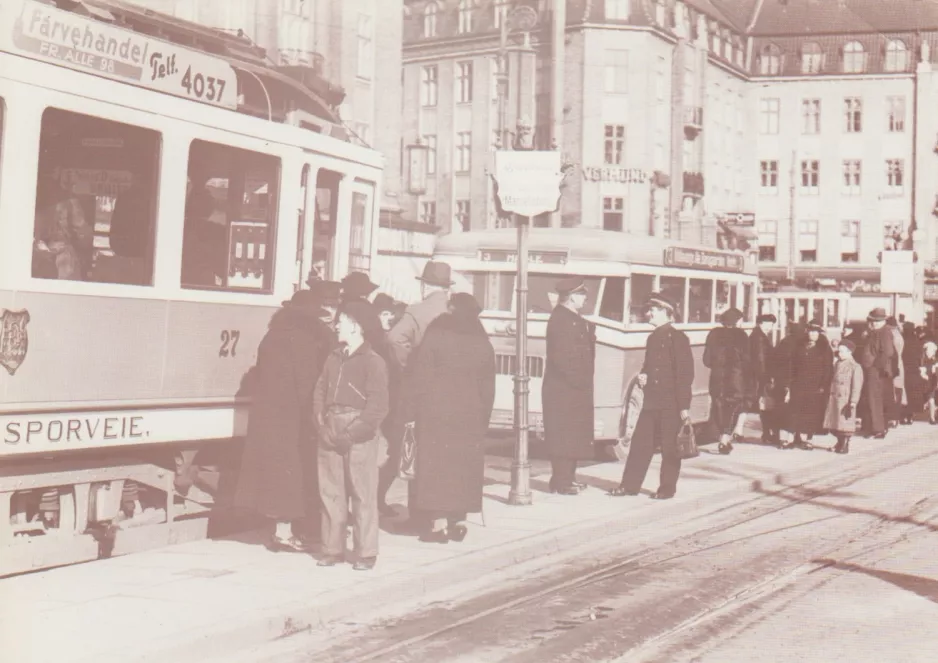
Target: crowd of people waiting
[(343, 373)]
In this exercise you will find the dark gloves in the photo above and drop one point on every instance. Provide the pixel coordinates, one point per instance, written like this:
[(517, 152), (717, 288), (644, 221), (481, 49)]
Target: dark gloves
[(342, 443), (847, 411)]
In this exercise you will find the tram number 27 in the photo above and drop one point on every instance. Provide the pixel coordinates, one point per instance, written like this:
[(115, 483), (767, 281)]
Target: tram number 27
[(199, 86), (229, 343)]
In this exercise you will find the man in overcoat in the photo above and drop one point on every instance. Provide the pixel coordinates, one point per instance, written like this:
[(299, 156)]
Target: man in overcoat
[(760, 355), (877, 358), (667, 377), (567, 392)]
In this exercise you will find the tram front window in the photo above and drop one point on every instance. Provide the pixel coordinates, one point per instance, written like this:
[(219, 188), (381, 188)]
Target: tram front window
[(229, 219), (95, 200)]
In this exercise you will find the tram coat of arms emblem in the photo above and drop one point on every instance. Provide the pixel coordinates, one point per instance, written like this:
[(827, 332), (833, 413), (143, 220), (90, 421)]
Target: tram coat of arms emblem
[(14, 340)]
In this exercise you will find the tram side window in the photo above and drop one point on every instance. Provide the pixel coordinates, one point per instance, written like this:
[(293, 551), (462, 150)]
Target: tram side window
[(673, 288), (833, 313), (747, 302), (726, 296), (701, 301), (612, 306), (542, 296), (95, 200), (493, 290), (230, 219), (642, 287)]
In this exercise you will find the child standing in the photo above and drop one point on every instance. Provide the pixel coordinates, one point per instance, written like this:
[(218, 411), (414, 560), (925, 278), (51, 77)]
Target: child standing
[(846, 384)]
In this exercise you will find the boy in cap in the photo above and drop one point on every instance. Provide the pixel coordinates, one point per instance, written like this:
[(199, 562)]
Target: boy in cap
[(667, 376), (349, 404)]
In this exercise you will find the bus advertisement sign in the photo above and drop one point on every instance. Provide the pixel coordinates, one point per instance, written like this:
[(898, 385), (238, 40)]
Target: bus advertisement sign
[(43, 32), (676, 256), (528, 182)]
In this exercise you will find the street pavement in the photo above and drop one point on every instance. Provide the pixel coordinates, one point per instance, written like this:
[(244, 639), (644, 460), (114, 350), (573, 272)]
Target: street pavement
[(218, 599)]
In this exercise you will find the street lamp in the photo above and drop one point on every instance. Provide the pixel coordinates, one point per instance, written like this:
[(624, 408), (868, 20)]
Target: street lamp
[(417, 154)]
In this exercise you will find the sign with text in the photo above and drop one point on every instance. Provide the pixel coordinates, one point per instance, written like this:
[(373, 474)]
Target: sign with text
[(528, 183), (621, 175), (897, 275), (676, 256), (743, 219), (43, 32), (535, 257)]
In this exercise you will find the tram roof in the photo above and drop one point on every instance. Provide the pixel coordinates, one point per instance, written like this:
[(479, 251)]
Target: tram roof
[(259, 80), (580, 245)]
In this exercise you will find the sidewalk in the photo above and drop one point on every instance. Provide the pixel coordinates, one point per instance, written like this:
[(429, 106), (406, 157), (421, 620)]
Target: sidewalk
[(197, 601)]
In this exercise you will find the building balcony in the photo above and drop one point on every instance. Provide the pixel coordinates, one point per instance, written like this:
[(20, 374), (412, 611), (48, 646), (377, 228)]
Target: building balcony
[(292, 57), (693, 121), (693, 184)]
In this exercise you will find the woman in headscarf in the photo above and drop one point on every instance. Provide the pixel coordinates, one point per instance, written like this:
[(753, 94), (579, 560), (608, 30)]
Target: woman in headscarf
[(726, 354), (812, 365), (277, 477), (451, 391)]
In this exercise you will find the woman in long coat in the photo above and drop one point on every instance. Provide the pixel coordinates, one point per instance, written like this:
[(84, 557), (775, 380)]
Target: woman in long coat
[(276, 478), (726, 354), (450, 393), (846, 387), (567, 390), (809, 386)]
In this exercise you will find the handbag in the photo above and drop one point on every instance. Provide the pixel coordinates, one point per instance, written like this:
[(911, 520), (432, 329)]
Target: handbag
[(686, 442), (406, 469)]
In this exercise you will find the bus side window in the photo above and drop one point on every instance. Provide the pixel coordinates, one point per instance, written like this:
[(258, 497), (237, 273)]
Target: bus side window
[(673, 287), (231, 207), (95, 200), (612, 306), (701, 301), (642, 287)]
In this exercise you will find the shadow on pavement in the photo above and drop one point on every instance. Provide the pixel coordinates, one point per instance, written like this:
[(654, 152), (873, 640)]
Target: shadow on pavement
[(927, 588)]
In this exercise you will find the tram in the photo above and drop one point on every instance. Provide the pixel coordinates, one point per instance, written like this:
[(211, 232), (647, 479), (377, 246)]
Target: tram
[(160, 197), (832, 310), (620, 272)]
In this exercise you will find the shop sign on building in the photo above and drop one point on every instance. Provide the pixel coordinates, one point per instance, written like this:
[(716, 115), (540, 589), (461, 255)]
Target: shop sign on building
[(739, 219), (621, 175)]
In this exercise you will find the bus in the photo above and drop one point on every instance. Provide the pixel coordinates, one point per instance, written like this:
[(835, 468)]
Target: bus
[(620, 272), (159, 199)]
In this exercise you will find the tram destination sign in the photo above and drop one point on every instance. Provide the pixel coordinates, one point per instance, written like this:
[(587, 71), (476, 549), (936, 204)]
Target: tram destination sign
[(43, 32), (718, 261), (535, 257)]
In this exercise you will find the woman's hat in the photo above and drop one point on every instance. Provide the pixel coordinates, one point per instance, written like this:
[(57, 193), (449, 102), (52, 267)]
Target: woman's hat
[(306, 301), (731, 316), (357, 284), (383, 302), (850, 345), (570, 286), (465, 305), (438, 274), (877, 315), (814, 325), (766, 317)]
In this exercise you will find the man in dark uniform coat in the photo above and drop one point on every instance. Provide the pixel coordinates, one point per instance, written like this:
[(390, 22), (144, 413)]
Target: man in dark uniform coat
[(666, 377), (567, 393), (760, 355)]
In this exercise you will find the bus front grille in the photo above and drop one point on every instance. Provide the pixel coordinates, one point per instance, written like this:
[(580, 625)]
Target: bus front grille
[(506, 365)]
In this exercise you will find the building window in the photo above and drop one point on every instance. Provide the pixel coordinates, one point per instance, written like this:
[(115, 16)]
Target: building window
[(465, 16), (895, 171), (897, 55), (807, 241), (768, 176), (854, 58), (428, 85), (810, 177), (366, 59), (768, 116), (430, 142), (768, 240), (502, 7), (616, 72), (613, 214), (464, 82), (614, 144), (429, 20), (852, 174), (853, 114), (896, 109), (812, 58), (428, 212), (770, 60), (849, 241), (811, 116), (617, 10), (463, 218), (463, 151)]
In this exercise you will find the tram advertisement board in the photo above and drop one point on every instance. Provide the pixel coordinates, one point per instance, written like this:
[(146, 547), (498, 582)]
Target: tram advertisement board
[(677, 256), (43, 32)]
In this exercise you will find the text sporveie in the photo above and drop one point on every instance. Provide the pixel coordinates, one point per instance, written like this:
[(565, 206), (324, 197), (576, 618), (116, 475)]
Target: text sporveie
[(73, 430)]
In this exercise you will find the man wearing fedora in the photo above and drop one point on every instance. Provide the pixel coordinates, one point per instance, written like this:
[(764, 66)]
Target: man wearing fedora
[(567, 392), (403, 339), (877, 357), (667, 377)]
